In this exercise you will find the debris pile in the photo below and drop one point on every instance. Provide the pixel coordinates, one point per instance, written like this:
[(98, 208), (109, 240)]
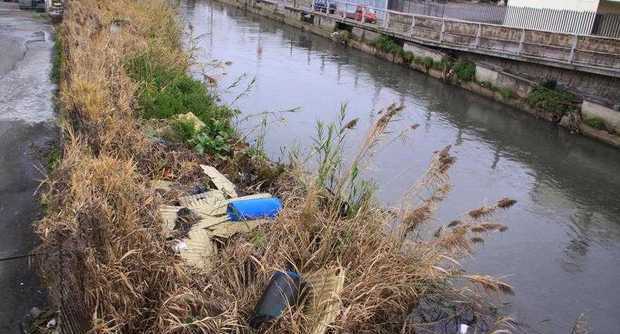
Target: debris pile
[(199, 218)]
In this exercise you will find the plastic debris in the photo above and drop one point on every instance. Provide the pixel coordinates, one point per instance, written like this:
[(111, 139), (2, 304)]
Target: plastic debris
[(251, 209), (180, 246), (192, 119), (463, 329), (220, 181), (324, 301), (283, 290)]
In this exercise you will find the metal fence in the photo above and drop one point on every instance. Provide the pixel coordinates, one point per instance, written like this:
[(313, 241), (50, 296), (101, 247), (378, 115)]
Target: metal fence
[(607, 25), (568, 21), (486, 13)]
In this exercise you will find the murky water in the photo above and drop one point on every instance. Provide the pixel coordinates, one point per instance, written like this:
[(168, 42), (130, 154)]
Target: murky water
[(562, 249)]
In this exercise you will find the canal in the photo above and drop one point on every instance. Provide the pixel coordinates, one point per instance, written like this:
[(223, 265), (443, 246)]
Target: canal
[(562, 250)]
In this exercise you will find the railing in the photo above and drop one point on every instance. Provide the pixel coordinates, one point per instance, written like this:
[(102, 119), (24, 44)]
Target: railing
[(594, 53)]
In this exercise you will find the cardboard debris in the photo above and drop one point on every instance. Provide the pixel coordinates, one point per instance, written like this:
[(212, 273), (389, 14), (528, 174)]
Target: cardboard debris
[(228, 229), (161, 185), (207, 198), (168, 214), (197, 248), (220, 181), (324, 300)]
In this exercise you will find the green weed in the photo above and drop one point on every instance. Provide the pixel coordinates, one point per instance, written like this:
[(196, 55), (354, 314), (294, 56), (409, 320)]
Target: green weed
[(552, 100), (167, 91), (596, 123), (465, 71)]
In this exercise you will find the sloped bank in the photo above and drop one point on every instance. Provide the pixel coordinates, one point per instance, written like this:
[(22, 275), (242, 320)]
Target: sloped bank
[(113, 266), (544, 100)]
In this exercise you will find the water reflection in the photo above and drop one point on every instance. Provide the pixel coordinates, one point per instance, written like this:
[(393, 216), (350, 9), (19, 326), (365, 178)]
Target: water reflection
[(562, 248)]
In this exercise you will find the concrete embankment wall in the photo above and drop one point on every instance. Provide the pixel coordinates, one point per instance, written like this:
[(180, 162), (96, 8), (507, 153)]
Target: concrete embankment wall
[(494, 79)]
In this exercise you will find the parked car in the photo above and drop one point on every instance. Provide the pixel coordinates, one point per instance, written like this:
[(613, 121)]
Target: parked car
[(361, 10), (32, 4), (324, 6)]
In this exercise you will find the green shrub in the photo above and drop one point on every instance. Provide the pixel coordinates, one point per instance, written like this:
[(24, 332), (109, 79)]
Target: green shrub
[(555, 101), (167, 91), (387, 45), (465, 71), (428, 62), (185, 130), (596, 123), (506, 93), (407, 56)]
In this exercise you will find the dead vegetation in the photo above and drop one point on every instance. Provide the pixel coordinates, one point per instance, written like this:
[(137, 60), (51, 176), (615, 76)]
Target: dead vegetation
[(113, 270)]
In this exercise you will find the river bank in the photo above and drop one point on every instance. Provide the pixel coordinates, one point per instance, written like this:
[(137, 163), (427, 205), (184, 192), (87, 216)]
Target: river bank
[(123, 87), (544, 102)]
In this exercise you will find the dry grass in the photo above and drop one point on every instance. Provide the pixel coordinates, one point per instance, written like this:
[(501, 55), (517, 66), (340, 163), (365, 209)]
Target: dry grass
[(123, 273)]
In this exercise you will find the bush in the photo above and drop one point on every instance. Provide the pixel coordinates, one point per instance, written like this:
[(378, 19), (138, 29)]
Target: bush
[(596, 123), (168, 91), (387, 45), (555, 101), (407, 56), (465, 71), (428, 62), (506, 93)]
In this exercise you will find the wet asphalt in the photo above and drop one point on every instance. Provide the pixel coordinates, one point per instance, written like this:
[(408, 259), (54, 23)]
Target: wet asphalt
[(27, 131)]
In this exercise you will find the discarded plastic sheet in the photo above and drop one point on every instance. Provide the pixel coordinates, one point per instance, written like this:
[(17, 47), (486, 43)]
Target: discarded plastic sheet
[(198, 248), (228, 229), (282, 291), (161, 185), (207, 198), (251, 209), (324, 301), (220, 181)]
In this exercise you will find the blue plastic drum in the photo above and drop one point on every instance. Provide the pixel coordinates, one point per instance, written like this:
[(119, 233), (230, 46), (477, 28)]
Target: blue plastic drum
[(252, 209)]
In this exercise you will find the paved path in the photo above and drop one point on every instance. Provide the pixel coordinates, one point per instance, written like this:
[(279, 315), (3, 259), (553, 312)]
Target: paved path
[(26, 129)]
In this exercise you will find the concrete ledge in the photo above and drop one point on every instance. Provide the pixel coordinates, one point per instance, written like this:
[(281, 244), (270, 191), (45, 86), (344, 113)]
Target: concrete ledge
[(611, 117)]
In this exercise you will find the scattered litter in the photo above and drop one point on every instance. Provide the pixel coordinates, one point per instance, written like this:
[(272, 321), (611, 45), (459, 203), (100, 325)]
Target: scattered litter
[(180, 246), (324, 302), (206, 198), (168, 214), (282, 291), (228, 229), (463, 329), (51, 323), (198, 248), (220, 181), (161, 185), (192, 119), (251, 209)]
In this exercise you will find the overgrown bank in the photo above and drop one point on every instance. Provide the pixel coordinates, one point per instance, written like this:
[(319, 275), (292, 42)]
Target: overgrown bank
[(125, 98)]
